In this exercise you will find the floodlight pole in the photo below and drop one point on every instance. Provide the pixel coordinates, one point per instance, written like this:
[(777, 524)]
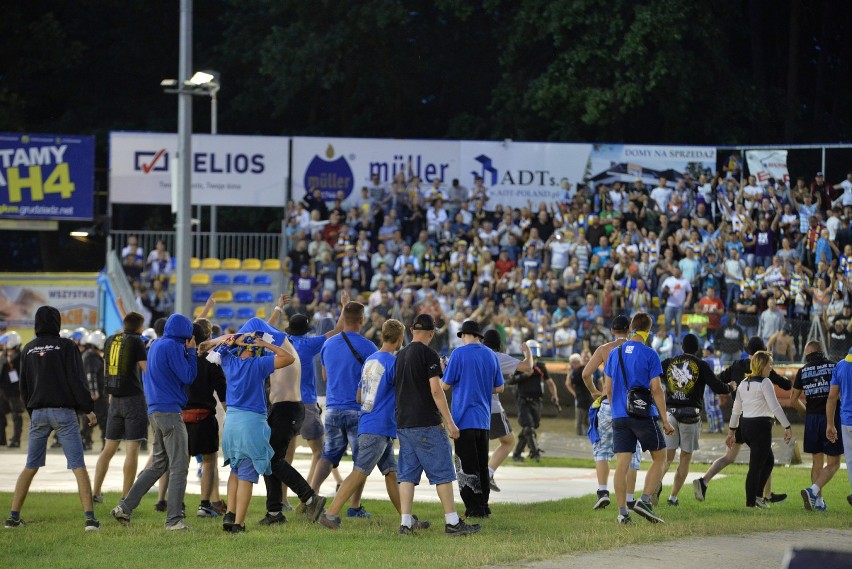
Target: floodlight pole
[(183, 227), (214, 129)]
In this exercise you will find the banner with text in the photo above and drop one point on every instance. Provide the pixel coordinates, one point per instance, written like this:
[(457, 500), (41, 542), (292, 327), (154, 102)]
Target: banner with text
[(765, 164), (46, 176), (226, 169), (626, 163)]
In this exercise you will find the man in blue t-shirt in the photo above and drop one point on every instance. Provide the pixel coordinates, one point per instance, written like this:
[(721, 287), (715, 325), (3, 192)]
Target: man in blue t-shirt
[(841, 390), (473, 374), (343, 359), (635, 365), (376, 427)]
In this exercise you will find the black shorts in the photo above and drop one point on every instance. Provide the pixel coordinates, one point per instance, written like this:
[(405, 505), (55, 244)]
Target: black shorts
[(499, 426), (203, 437), (815, 439), (626, 431), (127, 419), (285, 420)]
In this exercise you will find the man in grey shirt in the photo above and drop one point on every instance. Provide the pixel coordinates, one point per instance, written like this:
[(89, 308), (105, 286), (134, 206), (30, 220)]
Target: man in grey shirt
[(771, 320)]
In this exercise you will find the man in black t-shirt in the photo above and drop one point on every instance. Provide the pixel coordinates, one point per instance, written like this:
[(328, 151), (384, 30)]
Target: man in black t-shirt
[(124, 361), (814, 378), (530, 394), (582, 398), (423, 444)]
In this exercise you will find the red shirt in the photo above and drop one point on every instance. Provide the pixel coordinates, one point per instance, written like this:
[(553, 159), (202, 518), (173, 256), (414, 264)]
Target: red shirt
[(504, 267), (715, 320)]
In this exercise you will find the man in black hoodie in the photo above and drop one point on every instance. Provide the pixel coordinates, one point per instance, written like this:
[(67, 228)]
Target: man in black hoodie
[(53, 387)]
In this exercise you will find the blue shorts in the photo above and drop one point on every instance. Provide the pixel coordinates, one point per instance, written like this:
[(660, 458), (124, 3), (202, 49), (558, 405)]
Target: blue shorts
[(627, 431), (375, 450), (245, 471), (602, 450), (425, 449), (341, 428), (815, 440), (64, 422)]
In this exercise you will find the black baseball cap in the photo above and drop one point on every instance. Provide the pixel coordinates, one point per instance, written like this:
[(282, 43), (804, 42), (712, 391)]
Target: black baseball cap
[(423, 322), (620, 323)]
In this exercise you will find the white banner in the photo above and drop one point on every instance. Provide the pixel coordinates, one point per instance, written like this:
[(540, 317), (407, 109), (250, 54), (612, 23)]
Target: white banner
[(626, 163), (765, 164), (517, 173), (226, 169)]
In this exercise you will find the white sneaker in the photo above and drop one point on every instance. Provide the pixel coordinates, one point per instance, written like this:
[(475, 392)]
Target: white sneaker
[(177, 526)]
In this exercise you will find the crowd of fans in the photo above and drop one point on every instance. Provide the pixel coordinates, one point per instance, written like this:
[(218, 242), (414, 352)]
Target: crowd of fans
[(718, 256)]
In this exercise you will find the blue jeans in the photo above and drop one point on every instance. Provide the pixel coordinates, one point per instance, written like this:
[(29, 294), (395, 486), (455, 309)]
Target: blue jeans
[(375, 450), (341, 427), (425, 449), (733, 294), (674, 313), (64, 422)]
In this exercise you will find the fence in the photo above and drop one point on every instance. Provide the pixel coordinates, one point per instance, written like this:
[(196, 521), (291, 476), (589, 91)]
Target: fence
[(236, 245)]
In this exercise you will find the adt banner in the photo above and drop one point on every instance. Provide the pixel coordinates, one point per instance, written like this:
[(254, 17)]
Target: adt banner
[(46, 176)]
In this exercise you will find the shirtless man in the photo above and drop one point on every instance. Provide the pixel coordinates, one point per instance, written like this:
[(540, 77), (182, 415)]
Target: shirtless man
[(780, 344), (602, 449), (286, 414)]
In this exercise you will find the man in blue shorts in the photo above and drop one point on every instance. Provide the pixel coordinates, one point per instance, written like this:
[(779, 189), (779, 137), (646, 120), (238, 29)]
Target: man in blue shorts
[(635, 365), (473, 374), (841, 390), (814, 378), (343, 360), (423, 444)]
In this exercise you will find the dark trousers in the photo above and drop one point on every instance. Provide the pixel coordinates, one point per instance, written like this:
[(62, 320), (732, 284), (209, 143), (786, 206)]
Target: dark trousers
[(285, 420), (529, 417), (102, 413), (11, 403), (757, 434), (472, 471)]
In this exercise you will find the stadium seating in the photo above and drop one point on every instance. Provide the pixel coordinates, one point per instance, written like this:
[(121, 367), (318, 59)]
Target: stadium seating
[(200, 295), (194, 263), (262, 280), (173, 279), (242, 296), (241, 279), (245, 313), (231, 264), (264, 296), (224, 312), (221, 279), (261, 312), (201, 279), (211, 263), (197, 312), (271, 265), (251, 265), (223, 296)]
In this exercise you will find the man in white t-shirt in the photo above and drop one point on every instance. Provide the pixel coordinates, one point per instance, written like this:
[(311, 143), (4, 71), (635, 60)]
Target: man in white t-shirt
[(661, 194), (679, 291), (133, 258), (563, 340), (752, 193), (558, 247), (846, 185)]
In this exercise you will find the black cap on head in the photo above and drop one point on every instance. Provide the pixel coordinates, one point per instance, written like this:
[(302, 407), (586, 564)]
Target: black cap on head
[(470, 327), (492, 339), (690, 344), (298, 325), (423, 322), (755, 344), (620, 323)]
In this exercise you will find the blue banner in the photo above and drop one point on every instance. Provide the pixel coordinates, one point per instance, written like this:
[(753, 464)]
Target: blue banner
[(46, 176)]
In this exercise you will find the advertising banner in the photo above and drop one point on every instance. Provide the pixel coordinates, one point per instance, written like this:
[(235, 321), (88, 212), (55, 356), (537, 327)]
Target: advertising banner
[(627, 163), (519, 173), (226, 169), (75, 295), (347, 164), (46, 176), (765, 164)]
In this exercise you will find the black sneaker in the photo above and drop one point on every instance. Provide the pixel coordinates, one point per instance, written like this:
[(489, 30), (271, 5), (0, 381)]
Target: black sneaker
[(272, 519), (228, 520), (647, 512), (315, 508), (492, 484), (673, 502), (517, 458), (461, 528), (774, 498), (418, 525), (630, 504), (603, 500), (625, 520), (405, 530), (849, 499), (13, 523), (92, 524), (699, 487), (655, 497), (17, 444), (161, 506), (237, 528)]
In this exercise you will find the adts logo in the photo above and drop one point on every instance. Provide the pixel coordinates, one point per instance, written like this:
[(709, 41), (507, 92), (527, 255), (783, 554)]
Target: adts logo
[(330, 176)]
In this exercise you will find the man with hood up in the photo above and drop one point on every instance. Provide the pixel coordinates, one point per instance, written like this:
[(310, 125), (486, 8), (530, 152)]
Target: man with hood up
[(172, 365), (53, 387)]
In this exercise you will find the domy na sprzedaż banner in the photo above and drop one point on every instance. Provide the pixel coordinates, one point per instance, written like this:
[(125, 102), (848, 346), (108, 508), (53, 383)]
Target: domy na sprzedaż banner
[(46, 176), (626, 163), (226, 169)]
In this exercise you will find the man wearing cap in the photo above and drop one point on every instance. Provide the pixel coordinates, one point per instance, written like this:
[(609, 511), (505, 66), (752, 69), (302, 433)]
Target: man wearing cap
[(684, 378), (825, 191), (530, 394), (841, 391), (473, 374), (736, 373), (421, 405)]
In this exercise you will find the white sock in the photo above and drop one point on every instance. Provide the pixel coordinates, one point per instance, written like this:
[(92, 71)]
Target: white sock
[(407, 520), (490, 472), (673, 498), (630, 498), (451, 519), (815, 489), (820, 501), (601, 487)]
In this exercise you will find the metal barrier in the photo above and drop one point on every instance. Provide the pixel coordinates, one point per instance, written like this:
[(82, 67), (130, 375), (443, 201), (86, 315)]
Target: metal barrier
[(229, 245)]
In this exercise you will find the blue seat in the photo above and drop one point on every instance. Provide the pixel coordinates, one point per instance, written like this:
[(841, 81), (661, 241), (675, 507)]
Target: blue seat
[(264, 296), (262, 280), (224, 312), (245, 313), (200, 295), (221, 279), (242, 296), (242, 279)]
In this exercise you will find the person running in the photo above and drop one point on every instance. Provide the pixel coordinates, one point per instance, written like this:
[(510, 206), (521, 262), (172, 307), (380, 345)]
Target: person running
[(172, 365), (737, 372), (127, 419), (376, 427), (473, 374), (530, 394), (841, 391), (53, 388), (684, 379), (814, 378), (753, 412), (421, 406), (500, 428), (600, 416), (627, 427)]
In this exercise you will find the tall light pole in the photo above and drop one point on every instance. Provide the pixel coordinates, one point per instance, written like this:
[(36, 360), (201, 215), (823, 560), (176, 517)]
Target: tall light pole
[(183, 227), (208, 82)]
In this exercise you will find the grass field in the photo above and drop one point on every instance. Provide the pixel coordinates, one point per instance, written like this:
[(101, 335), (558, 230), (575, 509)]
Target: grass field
[(54, 536)]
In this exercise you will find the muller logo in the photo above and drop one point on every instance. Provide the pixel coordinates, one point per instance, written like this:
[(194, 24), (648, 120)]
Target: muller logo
[(330, 176)]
